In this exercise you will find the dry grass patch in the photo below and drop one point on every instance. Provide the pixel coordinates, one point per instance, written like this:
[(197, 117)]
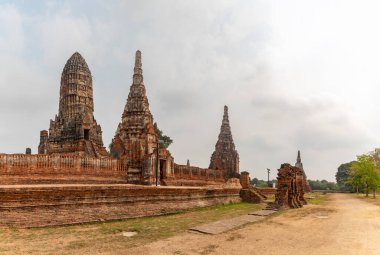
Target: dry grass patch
[(316, 198), (107, 237)]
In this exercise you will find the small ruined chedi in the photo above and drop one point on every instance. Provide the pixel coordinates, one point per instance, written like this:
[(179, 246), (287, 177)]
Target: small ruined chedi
[(306, 185), (136, 139), (225, 157), (74, 130), (290, 185)]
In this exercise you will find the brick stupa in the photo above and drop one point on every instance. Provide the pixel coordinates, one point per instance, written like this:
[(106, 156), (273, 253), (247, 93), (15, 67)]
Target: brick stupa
[(225, 156), (74, 130)]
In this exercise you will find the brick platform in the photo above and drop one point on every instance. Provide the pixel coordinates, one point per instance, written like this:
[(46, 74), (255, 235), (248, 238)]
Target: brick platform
[(44, 205)]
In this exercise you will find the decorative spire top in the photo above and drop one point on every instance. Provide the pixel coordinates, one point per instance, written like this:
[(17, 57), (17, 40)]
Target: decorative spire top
[(76, 63), (299, 163), (225, 115), (138, 65), (225, 128), (299, 157)]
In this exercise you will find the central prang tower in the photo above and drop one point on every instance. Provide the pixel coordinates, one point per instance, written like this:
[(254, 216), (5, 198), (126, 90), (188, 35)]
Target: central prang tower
[(74, 130), (225, 156)]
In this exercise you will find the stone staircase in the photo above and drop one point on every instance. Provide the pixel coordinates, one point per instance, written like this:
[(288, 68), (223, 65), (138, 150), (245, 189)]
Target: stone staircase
[(252, 194), (258, 192)]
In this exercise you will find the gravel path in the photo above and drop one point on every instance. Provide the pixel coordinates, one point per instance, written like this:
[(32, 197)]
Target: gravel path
[(343, 225)]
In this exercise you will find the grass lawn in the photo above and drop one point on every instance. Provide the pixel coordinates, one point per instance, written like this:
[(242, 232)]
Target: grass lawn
[(108, 236)]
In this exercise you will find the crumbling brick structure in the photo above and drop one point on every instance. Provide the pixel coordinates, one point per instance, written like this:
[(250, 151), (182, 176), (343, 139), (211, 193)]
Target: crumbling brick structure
[(74, 130), (136, 138), (225, 157), (249, 193), (245, 180), (290, 187)]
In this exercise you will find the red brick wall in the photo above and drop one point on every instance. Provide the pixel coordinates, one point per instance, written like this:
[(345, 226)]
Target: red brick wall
[(39, 168), (184, 175), (41, 205), (45, 169)]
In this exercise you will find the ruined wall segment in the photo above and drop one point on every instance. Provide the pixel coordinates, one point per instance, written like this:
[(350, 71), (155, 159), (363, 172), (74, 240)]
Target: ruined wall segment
[(225, 156), (74, 130), (186, 175), (290, 192)]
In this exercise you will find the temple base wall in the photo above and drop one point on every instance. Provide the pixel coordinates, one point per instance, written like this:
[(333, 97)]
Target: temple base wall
[(49, 205)]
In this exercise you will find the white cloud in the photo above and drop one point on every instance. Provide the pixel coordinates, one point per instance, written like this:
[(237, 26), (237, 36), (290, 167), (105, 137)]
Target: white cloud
[(295, 74)]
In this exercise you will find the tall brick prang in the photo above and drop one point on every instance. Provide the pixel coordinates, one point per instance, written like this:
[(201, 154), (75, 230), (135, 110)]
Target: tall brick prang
[(225, 156), (136, 138), (74, 130)]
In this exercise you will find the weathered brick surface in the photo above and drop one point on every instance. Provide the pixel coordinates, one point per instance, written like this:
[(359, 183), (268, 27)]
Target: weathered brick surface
[(245, 181), (41, 205), (251, 195)]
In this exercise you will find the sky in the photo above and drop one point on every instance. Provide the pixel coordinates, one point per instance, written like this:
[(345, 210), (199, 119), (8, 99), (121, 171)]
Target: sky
[(296, 75)]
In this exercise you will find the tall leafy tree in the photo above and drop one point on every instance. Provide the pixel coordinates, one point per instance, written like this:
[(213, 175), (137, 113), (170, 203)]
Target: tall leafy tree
[(342, 175), (364, 172)]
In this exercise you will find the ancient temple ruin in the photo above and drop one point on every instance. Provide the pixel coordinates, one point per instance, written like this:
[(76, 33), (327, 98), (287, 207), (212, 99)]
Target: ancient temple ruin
[(74, 130), (136, 139), (290, 192), (306, 185), (225, 157)]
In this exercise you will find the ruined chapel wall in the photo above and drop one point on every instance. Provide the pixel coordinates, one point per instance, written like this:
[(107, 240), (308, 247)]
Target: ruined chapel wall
[(184, 172)]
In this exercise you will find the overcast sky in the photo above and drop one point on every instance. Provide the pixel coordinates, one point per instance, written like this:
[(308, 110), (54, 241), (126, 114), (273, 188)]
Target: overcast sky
[(294, 74)]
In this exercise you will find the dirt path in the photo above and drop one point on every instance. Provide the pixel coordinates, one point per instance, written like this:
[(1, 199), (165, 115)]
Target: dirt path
[(344, 225)]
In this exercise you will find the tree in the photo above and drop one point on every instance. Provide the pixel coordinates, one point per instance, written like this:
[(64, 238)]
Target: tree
[(322, 185), (365, 173), (165, 140), (260, 183), (342, 175)]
